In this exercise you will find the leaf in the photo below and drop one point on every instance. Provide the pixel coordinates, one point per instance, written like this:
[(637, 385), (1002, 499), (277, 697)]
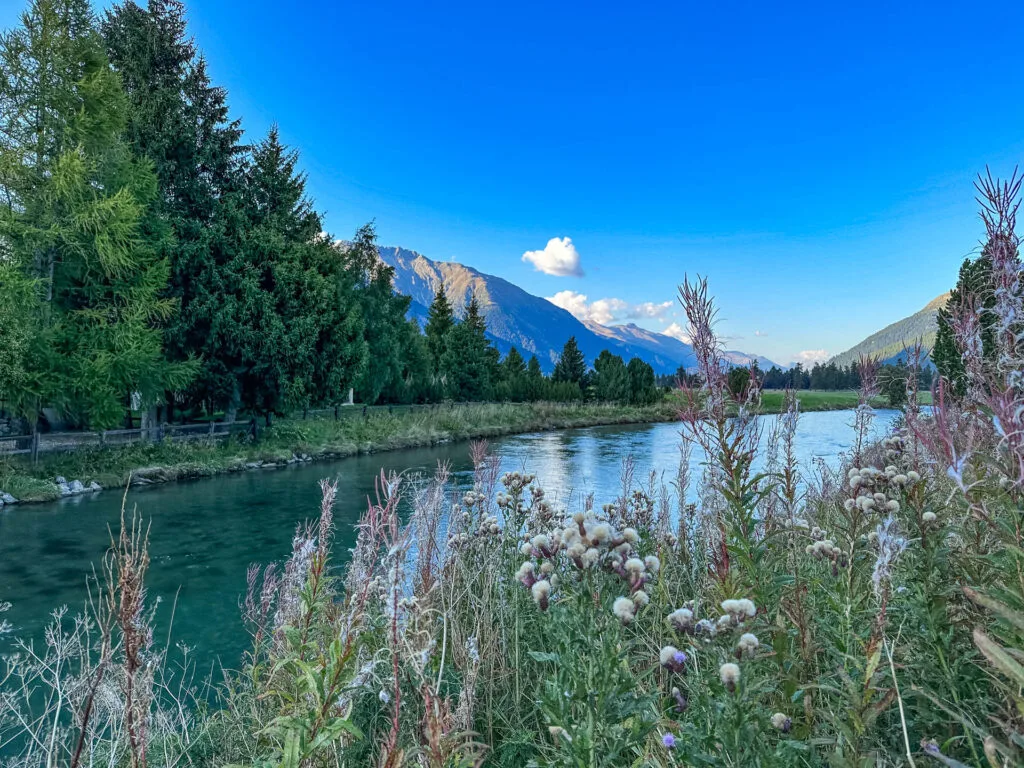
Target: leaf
[(999, 658), (1014, 617), (543, 656)]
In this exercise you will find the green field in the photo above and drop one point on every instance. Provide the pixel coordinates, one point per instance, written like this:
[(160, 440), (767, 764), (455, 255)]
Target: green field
[(819, 400)]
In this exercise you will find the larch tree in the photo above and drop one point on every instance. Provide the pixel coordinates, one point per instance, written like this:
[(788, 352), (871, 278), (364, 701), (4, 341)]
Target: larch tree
[(81, 222)]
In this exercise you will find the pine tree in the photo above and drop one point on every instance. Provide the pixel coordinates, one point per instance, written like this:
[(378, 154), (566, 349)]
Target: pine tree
[(81, 220), (643, 388), (534, 379), (440, 321), (571, 366), (514, 364)]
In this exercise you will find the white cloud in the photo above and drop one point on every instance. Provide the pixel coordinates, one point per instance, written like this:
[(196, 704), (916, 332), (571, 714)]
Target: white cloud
[(760, 334), (649, 309), (605, 311), (812, 356), (676, 331), (559, 257)]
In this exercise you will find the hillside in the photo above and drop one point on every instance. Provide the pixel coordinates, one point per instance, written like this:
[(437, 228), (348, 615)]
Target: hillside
[(888, 343)]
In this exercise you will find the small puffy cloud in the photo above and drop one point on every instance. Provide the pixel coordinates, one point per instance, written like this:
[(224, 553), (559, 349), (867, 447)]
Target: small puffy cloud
[(605, 311), (559, 257), (811, 356), (676, 331), (760, 334)]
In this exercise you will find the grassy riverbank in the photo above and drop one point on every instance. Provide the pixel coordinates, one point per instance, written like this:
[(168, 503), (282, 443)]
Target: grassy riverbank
[(325, 438), (315, 438)]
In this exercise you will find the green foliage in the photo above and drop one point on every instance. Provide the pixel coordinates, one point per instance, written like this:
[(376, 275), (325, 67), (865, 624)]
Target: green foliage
[(571, 367), (82, 221), (440, 322), (973, 288), (611, 379)]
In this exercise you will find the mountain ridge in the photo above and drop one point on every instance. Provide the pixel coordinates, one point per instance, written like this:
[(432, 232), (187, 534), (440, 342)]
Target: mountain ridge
[(532, 324), (889, 343)]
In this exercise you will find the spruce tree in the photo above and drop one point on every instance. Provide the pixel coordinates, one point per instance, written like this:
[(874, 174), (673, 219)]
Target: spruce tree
[(81, 220), (611, 378), (571, 366), (468, 361), (383, 312), (973, 283), (643, 387), (440, 321), (514, 364)]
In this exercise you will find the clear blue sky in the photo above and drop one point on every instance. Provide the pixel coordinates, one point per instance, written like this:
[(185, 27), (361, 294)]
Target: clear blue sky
[(815, 161)]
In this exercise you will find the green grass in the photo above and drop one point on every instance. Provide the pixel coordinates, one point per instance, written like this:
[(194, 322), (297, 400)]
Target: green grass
[(320, 438), (323, 437), (820, 400)]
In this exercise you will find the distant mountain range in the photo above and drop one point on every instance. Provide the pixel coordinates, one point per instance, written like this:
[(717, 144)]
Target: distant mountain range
[(889, 343), (530, 323)]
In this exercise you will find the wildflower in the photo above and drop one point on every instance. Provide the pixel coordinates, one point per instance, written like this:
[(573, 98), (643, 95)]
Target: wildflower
[(669, 741), (705, 627), (781, 722), (624, 609), (681, 619), (547, 567), (634, 566), (730, 674), (630, 535), (525, 573), (589, 557), (929, 517), (653, 564), (578, 518), (526, 549), (913, 476), (541, 542), (673, 659), (541, 590), (748, 644), (739, 609), (900, 479), (849, 504), (601, 533), (681, 703), (383, 696), (641, 598), (892, 506)]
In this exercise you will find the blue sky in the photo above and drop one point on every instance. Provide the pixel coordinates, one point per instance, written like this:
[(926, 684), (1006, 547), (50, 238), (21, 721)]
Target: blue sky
[(814, 161)]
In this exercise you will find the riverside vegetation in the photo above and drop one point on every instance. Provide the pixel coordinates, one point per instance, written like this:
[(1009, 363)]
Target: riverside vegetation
[(871, 615)]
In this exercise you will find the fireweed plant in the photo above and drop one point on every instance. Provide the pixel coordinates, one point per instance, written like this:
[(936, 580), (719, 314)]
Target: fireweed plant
[(751, 613)]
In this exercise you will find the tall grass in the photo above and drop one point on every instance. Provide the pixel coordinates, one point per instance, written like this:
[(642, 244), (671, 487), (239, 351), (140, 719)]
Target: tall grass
[(870, 615)]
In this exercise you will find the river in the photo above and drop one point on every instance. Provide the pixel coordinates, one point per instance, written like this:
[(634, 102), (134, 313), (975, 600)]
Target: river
[(205, 533)]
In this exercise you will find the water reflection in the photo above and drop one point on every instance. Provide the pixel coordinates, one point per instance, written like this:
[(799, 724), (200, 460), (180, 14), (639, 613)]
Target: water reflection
[(206, 533)]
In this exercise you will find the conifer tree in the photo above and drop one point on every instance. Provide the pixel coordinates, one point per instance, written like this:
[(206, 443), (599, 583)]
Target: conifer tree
[(81, 221), (440, 321), (179, 120), (467, 360), (643, 388), (571, 366), (383, 312), (611, 378), (973, 284)]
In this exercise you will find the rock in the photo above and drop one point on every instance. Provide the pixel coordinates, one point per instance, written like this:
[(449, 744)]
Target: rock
[(6, 498), (253, 464), (94, 486), (76, 486), (64, 489), (60, 480)]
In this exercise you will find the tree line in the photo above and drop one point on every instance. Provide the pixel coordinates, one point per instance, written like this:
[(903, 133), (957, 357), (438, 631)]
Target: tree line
[(152, 259)]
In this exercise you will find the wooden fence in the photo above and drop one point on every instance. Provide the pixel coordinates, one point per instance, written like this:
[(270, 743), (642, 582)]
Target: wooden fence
[(54, 442)]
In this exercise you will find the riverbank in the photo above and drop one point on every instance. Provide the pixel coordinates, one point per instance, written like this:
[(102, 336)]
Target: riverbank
[(292, 441)]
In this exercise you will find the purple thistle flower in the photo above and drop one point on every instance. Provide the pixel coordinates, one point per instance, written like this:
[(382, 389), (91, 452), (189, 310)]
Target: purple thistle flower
[(669, 741)]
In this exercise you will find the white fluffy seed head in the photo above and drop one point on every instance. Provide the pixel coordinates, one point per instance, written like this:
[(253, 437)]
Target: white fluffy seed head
[(540, 590), (681, 619), (730, 674), (929, 517), (624, 609)]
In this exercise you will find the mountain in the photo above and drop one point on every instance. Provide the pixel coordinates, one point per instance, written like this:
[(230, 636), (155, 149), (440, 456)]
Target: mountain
[(518, 319), (888, 343), (530, 323)]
